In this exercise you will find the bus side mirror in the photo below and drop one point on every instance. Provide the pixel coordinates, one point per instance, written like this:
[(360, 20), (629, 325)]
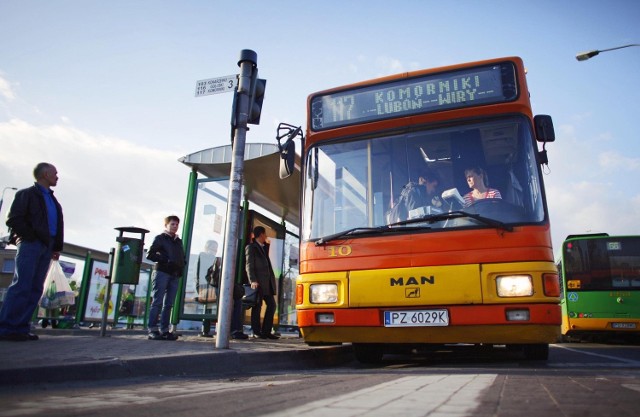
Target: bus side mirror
[(544, 128), (287, 159)]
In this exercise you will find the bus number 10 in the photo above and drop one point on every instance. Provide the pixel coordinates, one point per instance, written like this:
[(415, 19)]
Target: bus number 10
[(343, 250)]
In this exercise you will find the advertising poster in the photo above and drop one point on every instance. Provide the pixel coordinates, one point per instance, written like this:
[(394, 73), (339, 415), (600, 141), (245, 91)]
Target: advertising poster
[(133, 300), (140, 304), (98, 291)]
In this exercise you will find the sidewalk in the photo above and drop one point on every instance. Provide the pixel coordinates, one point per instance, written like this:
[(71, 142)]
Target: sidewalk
[(82, 354)]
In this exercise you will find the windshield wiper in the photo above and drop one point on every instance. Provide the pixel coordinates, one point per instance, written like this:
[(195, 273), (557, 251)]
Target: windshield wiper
[(432, 218), (354, 231)]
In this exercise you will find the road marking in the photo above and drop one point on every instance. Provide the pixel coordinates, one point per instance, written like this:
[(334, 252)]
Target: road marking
[(151, 394), (453, 395), (635, 387), (599, 355)]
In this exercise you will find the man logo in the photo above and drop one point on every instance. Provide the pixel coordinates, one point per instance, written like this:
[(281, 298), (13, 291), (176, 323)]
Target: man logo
[(412, 281), (412, 293)]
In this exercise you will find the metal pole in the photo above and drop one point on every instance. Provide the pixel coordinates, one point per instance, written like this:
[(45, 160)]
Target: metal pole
[(187, 233), (247, 64), (81, 302), (107, 296)]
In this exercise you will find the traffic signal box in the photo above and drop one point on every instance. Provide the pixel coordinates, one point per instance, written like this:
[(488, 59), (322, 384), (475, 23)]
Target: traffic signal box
[(255, 104)]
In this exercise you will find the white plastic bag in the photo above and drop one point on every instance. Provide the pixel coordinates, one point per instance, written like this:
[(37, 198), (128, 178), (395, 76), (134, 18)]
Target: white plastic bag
[(57, 291)]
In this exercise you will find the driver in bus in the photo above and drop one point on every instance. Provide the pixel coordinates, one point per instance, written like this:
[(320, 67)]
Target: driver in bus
[(478, 181)]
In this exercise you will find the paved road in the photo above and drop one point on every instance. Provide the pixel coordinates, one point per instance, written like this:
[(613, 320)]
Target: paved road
[(578, 380)]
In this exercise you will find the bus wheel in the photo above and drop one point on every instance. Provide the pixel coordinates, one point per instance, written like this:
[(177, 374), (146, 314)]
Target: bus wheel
[(538, 352), (368, 353), (565, 339)]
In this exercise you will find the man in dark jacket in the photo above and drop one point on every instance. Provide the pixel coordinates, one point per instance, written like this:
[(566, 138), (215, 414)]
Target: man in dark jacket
[(260, 273), (37, 229), (168, 254)]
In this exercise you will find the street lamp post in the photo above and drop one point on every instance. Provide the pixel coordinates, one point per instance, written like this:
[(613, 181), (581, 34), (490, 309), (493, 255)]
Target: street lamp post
[(583, 56)]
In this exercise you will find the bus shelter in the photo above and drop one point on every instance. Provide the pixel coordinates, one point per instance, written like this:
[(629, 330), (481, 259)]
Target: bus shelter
[(88, 271), (266, 201)]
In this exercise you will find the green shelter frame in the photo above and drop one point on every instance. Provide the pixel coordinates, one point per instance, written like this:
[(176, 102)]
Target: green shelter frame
[(264, 194)]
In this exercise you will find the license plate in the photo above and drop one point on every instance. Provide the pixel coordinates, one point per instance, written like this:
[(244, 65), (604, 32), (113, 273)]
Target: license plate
[(623, 325), (416, 318)]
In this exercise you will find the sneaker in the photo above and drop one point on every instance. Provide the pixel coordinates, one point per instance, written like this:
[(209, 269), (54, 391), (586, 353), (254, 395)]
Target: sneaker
[(169, 336), (155, 335), (239, 336)]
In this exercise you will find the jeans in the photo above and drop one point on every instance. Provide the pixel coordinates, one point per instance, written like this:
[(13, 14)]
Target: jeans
[(165, 287), (22, 297)]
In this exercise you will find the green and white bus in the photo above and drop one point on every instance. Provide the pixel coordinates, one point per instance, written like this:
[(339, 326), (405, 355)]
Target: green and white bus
[(600, 286)]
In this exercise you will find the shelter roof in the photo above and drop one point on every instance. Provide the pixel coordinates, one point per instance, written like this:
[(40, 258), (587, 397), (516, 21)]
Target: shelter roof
[(261, 181)]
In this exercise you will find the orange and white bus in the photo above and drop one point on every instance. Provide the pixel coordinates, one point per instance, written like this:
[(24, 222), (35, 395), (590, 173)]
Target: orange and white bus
[(454, 268)]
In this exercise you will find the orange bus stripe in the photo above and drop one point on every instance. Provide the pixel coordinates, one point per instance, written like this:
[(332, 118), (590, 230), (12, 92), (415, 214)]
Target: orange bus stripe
[(549, 314)]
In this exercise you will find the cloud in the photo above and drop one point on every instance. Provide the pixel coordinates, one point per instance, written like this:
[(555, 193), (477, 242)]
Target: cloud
[(6, 90), (612, 160), (589, 189), (380, 67), (105, 182), (389, 66), (573, 212)]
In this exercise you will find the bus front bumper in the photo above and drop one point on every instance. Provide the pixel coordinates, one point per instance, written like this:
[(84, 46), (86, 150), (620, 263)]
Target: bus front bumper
[(467, 324)]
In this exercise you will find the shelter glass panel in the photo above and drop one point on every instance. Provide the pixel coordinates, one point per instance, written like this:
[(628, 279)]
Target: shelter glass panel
[(200, 295)]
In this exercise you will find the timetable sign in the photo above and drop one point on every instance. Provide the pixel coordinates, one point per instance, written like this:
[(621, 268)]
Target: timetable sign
[(216, 85)]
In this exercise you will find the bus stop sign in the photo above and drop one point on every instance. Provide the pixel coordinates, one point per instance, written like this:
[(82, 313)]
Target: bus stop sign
[(217, 85)]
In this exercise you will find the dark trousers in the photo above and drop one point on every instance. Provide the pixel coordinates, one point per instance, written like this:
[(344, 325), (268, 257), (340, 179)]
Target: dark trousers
[(165, 288), (267, 323), (32, 262)]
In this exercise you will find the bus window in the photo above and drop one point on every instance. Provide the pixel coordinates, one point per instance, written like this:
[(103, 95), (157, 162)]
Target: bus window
[(358, 181), (602, 264)]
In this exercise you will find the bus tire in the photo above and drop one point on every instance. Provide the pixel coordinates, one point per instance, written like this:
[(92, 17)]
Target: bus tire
[(368, 353), (537, 352)]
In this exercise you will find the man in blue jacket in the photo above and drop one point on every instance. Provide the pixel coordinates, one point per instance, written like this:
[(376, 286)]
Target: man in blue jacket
[(168, 254), (37, 229)]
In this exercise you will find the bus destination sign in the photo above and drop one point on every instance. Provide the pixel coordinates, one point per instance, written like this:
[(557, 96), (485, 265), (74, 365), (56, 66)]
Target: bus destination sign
[(425, 94)]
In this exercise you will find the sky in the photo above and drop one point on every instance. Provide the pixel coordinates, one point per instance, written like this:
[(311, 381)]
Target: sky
[(104, 90)]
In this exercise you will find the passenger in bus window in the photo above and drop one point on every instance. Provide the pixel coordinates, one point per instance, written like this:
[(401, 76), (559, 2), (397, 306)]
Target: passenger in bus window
[(427, 193), (478, 181), (417, 199)]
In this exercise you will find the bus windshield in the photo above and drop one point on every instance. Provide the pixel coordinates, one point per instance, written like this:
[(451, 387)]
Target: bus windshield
[(480, 174), (602, 264)]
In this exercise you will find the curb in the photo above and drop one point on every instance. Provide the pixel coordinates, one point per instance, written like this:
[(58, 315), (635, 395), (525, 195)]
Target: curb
[(196, 364)]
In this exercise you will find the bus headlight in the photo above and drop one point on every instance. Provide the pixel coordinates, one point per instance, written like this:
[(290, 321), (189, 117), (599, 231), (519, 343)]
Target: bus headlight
[(514, 286), (323, 293)]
